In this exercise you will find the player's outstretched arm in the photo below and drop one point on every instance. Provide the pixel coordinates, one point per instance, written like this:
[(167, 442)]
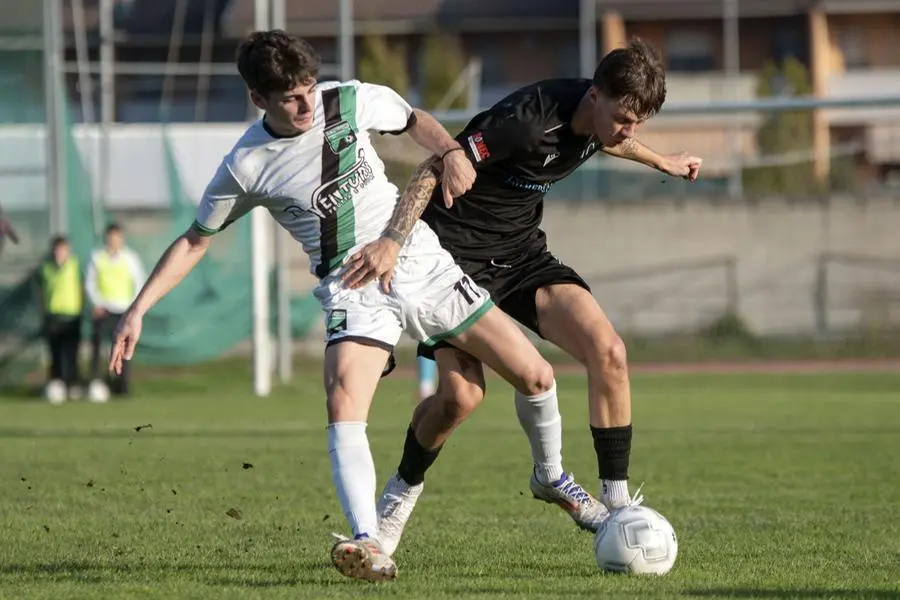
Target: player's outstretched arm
[(459, 174), (176, 262), (677, 165), (377, 259)]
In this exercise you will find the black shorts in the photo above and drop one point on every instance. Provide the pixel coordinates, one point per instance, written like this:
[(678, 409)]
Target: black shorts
[(513, 286)]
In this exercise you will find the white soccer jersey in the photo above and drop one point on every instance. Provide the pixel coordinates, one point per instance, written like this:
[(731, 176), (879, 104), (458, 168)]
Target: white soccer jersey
[(326, 186)]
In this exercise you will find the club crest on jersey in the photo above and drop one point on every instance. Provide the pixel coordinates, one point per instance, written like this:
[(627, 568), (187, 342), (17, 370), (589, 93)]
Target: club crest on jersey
[(340, 136), (329, 196), (337, 321), (479, 149)]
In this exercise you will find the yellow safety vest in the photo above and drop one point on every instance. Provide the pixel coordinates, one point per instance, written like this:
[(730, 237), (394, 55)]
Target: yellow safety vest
[(62, 288), (114, 280)]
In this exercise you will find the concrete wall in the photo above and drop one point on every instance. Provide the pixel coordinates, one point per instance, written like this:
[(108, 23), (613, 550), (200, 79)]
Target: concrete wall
[(774, 248)]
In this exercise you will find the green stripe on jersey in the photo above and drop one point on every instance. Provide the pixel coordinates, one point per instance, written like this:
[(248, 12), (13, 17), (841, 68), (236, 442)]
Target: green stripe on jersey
[(339, 156), (346, 215)]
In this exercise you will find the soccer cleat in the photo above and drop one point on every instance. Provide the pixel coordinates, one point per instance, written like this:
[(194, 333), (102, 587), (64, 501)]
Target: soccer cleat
[(587, 512), (394, 509), (362, 558)]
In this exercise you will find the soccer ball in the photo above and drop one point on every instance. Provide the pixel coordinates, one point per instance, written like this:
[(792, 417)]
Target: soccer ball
[(636, 539)]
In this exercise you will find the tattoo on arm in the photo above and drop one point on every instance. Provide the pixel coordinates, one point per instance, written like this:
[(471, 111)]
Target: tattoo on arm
[(414, 199), (630, 147)]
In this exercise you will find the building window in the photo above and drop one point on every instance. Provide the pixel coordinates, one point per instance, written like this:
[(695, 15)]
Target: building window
[(493, 70), (851, 42), (689, 51), (569, 59), (789, 43)]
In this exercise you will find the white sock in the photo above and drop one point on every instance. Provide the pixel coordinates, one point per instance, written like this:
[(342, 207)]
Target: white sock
[(615, 491), (353, 473), (540, 418)]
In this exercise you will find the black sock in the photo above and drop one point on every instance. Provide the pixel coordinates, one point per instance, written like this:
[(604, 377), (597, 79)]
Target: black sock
[(416, 459), (613, 448)]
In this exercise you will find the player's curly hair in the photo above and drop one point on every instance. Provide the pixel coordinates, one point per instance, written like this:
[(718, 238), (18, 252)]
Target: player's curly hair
[(635, 76), (275, 61)]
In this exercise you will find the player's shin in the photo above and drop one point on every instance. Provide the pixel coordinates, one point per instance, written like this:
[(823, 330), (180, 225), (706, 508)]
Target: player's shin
[(540, 419), (416, 459), (613, 448), (610, 399), (353, 473)]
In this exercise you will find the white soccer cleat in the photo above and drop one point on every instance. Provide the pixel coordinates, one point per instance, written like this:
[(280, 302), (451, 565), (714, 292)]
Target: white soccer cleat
[(55, 392), (587, 512), (394, 509), (98, 392), (362, 558)]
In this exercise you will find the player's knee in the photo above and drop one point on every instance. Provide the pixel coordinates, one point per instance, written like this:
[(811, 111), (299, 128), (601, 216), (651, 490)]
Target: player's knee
[(343, 405), (537, 379), (610, 358), (459, 399)]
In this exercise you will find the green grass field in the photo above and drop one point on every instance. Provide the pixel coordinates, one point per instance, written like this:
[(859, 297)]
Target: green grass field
[(781, 486)]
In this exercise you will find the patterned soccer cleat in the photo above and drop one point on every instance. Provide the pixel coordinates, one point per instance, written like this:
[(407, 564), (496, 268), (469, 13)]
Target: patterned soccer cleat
[(362, 558), (394, 509), (587, 512)]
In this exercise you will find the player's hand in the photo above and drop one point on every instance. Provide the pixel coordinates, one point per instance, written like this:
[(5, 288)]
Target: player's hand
[(7, 231), (124, 340), (98, 312), (683, 165), (374, 260), (458, 176)]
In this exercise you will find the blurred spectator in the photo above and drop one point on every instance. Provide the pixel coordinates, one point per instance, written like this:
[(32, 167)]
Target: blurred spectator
[(427, 370), (6, 231), (114, 277), (62, 299)]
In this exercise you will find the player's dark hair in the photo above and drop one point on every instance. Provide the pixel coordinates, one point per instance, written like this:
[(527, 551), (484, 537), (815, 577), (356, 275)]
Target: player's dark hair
[(275, 61), (58, 240), (634, 76), (113, 228)]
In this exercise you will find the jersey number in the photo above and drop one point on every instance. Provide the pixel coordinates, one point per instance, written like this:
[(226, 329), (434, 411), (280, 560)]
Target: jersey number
[(466, 289)]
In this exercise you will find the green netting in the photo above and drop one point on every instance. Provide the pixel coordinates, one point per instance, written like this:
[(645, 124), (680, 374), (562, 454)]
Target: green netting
[(207, 315)]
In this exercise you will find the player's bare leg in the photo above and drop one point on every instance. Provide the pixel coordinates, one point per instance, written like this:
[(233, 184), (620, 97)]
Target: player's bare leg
[(351, 374), (569, 316), (497, 341)]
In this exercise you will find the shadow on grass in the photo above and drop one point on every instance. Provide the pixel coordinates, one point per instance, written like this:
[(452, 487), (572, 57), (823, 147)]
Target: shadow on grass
[(304, 573)]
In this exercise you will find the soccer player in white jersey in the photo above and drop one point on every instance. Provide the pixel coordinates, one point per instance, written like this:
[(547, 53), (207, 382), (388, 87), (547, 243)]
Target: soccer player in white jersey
[(309, 161)]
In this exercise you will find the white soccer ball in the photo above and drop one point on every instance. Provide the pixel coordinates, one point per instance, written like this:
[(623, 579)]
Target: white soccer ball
[(636, 539), (98, 391), (55, 392)]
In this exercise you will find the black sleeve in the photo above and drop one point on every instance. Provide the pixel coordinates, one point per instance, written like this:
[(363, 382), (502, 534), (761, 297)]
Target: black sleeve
[(409, 123), (501, 132)]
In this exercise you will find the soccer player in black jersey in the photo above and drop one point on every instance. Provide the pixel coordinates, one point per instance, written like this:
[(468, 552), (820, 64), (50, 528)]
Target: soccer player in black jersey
[(520, 147)]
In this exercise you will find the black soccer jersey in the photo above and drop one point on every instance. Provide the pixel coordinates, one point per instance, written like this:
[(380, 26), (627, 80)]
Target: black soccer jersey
[(520, 147)]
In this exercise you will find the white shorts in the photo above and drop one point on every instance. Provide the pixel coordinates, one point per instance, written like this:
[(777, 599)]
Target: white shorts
[(430, 298)]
